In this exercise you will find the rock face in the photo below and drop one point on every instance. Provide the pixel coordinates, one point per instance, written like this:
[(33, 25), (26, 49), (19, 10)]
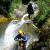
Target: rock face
[(32, 9), (25, 2), (4, 7)]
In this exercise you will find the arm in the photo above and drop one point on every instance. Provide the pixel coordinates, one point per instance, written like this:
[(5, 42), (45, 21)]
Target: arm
[(24, 39), (16, 38)]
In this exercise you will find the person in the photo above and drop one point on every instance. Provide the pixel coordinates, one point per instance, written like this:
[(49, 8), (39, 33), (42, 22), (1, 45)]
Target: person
[(23, 37)]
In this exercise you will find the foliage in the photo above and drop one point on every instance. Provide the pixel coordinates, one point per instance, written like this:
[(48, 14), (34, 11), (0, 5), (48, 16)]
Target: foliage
[(44, 9), (4, 7)]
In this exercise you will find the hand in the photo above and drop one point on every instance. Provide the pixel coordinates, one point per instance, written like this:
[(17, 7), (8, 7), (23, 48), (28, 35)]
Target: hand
[(20, 39)]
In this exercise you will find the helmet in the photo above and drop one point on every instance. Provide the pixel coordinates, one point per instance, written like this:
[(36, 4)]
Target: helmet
[(20, 32)]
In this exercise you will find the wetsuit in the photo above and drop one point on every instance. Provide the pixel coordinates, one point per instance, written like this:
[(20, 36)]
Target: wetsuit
[(24, 40)]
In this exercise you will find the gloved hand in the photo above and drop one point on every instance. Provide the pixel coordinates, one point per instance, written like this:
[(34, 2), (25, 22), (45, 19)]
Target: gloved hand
[(20, 39)]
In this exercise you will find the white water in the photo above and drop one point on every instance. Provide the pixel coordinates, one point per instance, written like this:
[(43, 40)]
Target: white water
[(11, 31)]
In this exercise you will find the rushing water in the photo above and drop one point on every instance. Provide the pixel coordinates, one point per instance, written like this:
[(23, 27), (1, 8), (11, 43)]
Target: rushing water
[(11, 32)]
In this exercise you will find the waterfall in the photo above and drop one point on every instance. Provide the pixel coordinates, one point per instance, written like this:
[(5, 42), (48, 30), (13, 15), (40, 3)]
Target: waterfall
[(11, 31)]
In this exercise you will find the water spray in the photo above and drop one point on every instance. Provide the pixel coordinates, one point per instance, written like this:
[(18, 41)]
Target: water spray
[(11, 31)]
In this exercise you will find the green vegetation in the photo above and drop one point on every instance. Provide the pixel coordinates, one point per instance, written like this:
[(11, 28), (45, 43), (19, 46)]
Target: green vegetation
[(44, 8)]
